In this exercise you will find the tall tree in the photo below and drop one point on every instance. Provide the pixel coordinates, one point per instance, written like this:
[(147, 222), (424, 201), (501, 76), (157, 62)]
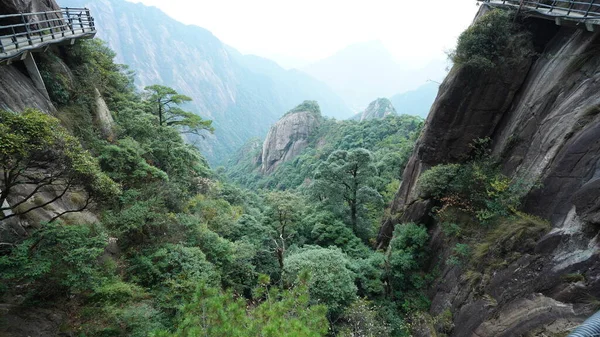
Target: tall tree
[(285, 211), (165, 104), (346, 179)]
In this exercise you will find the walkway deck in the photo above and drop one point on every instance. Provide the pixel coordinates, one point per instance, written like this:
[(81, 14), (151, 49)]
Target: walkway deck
[(20, 33), (579, 12)]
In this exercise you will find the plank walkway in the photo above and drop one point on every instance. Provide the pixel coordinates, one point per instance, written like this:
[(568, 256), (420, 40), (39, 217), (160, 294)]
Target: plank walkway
[(20, 33)]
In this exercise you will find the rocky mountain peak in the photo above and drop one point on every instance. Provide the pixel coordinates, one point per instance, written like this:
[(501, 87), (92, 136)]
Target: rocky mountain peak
[(379, 108), (289, 136)]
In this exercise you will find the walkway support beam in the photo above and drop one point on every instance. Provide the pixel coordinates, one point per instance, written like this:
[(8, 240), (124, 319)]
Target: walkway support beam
[(34, 74)]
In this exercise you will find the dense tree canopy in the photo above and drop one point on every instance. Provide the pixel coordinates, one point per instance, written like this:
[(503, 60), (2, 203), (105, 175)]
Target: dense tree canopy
[(176, 250)]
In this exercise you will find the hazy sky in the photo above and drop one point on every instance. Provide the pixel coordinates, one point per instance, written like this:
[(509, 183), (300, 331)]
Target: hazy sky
[(415, 31)]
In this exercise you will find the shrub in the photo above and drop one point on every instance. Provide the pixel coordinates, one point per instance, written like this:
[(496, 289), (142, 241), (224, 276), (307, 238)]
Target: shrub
[(370, 275), (288, 313), (493, 40), (117, 292), (331, 279), (437, 181), (40, 153), (406, 256), (476, 187), (362, 318), (57, 259)]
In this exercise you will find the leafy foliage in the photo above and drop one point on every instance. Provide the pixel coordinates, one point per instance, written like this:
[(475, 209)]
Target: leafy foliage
[(476, 187), (331, 279), (57, 259), (164, 103), (493, 40), (286, 313), (405, 257), (180, 252)]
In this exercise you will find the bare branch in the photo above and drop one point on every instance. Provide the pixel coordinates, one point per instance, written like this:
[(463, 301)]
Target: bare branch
[(87, 203), (40, 206)]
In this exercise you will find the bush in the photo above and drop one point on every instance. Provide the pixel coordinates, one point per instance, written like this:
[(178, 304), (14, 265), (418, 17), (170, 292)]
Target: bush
[(117, 292), (437, 181), (213, 313), (406, 256), (361, 318), (331, 279), (476, 187), (493, 40), (57, 259), (370, 275)]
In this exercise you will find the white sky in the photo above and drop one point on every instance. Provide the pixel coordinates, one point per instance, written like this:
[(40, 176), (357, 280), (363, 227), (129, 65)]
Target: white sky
[(415, 31)]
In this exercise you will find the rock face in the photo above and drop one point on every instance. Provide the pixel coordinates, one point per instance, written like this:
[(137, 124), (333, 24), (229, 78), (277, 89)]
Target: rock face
[(543, 117), (289, 136), (104, 118), (378, 109), (27, 6), (18, 92)]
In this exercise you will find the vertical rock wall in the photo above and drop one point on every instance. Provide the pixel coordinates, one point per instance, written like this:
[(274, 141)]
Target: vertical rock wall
[(543, 117)]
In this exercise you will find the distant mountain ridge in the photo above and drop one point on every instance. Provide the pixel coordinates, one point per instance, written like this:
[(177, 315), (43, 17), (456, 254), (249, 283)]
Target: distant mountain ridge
[(416, 102), (363, 71), (242, 94)]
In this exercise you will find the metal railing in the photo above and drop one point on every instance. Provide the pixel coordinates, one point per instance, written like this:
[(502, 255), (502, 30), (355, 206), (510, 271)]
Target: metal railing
[(580, 10), (27, 31)]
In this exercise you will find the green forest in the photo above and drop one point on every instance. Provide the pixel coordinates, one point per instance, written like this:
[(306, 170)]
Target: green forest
[(182, 249)]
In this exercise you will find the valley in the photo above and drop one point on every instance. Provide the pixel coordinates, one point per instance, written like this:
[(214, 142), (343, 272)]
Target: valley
[(155, 181)]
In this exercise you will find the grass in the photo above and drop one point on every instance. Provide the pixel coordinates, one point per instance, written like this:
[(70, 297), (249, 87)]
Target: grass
[(509, 239), (573, 278)]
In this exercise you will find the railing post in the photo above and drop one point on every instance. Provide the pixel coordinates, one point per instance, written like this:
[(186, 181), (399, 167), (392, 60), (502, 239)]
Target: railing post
[(70, 21), (14, 37), (81, 22), (589, 9), (90, 19), (552, 6), (28, 32), (571, 3), (48, 24)]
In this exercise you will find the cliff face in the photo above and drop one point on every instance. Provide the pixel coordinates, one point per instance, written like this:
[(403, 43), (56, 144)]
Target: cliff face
[(543, 118), (289, 136), (377, 109), (27, 6), (18, 92)]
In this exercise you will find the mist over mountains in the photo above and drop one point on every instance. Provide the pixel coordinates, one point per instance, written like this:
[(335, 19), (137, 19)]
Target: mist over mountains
[(364, 71), (244, 94)]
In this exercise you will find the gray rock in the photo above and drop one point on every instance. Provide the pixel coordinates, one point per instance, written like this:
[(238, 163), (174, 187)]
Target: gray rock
[(288, 137), (378, 109), (104, 118), (17, 91)]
